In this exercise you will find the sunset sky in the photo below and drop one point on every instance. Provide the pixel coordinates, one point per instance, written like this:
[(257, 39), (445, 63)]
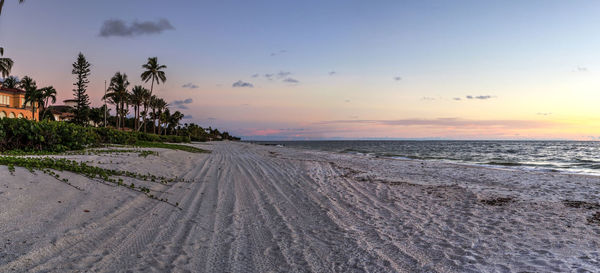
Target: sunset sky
[(333, 69)]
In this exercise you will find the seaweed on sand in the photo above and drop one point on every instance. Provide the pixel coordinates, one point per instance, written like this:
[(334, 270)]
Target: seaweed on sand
[(496, 201)]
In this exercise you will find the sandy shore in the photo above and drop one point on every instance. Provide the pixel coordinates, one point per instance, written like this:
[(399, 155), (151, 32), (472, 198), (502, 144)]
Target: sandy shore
[(251, 208)]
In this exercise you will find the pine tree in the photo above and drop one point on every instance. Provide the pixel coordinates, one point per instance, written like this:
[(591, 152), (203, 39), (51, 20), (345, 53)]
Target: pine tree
[(81, 68)]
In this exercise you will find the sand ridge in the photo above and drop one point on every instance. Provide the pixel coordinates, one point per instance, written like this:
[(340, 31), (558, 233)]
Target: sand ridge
[(252, 208)]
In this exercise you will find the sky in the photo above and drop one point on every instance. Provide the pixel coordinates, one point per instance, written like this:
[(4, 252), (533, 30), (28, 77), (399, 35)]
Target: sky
[(301, 70)]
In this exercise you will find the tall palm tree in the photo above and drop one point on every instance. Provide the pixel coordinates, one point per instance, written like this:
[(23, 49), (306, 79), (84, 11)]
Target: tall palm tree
[(33, 95), (118, 95), (6, 64), (48, 94), (10, 82), (2, 4), (146, 96), (153, 72), (27, 82), (153, 105), (137, 99)]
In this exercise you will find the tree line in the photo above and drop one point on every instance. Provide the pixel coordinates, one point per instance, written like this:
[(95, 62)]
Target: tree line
[(136, 108)]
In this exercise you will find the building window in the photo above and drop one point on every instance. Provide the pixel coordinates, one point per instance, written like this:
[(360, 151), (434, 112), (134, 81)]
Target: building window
[(2, 115), (20, 115), (11, 115), (4, 100)]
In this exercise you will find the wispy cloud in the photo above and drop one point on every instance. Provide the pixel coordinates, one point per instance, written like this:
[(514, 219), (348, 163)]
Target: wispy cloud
[(543, 113), (447, 122), (117, 27), (482, 97), (283, 74), (182, 104), (255, 75), (331, 73), (397, 78), (278, 53), (190, 86), (427, 98), (291, 80), (242, 84), (581, 69), (456, 98), (188, 117)]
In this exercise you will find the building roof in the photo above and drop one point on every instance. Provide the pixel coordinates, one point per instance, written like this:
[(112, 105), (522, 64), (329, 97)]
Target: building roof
[(59, 109), (13, 90)]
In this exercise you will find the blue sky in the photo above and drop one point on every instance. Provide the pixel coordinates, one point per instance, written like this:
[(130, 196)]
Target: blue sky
[(529, 57)]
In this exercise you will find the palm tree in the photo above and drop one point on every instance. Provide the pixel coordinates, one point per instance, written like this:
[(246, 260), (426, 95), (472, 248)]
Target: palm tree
[(118, 95), (166, 116), (146, 103), (10, 82), (161, 106), (33, 95), (48, 93), (153, 105), (138, 94), (27, 83), (174, 120), (153, 72), (2, 4), (6, 64)]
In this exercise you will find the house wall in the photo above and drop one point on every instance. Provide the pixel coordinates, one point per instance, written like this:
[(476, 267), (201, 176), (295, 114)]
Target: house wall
[(15, 106), (7, 111)]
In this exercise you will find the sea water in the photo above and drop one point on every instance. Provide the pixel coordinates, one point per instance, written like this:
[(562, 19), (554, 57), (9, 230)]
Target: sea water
[(561, 156)]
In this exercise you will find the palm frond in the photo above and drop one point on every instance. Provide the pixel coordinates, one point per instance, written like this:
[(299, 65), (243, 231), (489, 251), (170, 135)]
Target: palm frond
[(2, 4), (6, 65)]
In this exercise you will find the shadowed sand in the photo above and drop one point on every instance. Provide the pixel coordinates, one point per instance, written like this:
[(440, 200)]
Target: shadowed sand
[(253, 208)]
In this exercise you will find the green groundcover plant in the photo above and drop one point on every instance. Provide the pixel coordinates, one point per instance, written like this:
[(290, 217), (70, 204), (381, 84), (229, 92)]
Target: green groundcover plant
[(49, 165)]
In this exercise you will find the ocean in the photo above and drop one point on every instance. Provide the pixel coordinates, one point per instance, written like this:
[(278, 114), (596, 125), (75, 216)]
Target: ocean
[(558, 156)]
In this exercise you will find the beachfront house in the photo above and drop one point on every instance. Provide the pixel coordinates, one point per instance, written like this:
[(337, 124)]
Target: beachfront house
[(63, 112), (12, 104)]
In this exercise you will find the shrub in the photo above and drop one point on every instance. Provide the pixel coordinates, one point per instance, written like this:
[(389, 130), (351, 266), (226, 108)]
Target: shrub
[(52, 136), (26, 135)]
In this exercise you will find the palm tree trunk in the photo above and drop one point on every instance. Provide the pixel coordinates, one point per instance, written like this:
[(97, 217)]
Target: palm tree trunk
[(159, 123), (123, 125), (153, 121), (135, 111), (117, 115), (144, 117)]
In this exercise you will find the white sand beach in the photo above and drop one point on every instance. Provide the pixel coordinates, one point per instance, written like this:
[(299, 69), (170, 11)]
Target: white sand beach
[(251, 208)]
